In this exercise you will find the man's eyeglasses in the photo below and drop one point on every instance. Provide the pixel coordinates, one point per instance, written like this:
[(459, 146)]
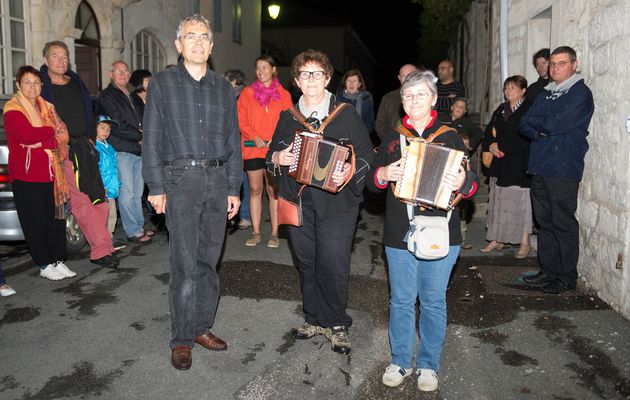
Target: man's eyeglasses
[(559, 64), (419, 96), (120, 71), (193, 37), (306, 75)]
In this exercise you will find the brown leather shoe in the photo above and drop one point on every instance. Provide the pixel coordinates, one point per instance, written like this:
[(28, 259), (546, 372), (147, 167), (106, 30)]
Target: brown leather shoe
[(211, 342), (181, 357)]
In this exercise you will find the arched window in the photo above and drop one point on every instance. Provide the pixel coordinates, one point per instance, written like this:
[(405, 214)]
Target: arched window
[(87, 49), (147, 53), (13, 41)]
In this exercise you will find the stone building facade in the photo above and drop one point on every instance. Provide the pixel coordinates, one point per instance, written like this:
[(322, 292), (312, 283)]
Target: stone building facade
[(140, 32), (599, 32)]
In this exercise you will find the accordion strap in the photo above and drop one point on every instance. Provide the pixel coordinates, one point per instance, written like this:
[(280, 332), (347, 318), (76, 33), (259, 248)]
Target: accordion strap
[(401, 129), (302, 119)]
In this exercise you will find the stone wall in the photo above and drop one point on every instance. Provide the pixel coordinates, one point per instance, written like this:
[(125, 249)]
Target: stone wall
[(599, 32), (120, 21)]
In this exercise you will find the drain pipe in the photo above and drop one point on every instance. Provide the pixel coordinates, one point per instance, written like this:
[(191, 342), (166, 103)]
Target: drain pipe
[(503, 39)]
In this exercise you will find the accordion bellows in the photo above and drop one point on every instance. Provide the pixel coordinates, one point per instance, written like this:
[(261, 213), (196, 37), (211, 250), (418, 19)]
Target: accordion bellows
[(424, 166), (316, 159)]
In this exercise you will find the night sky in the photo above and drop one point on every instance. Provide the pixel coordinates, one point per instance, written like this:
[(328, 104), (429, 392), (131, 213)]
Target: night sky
[(390, 30)]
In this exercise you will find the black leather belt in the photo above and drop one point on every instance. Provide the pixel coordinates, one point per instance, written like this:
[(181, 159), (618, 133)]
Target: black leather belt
[(186, 162)]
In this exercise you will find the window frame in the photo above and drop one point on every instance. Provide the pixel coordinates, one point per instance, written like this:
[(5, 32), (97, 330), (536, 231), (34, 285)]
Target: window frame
[(7, 47), (151, 43)]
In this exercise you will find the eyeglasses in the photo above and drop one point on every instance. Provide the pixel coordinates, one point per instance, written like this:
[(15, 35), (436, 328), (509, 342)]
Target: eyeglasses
[(306, 75), (193, 37), (120, 71), (559, 64), (419, 96)]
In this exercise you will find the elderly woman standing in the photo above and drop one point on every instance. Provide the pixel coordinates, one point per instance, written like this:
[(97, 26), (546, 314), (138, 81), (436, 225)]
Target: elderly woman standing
[(411, 278), (322, 245), (353, 91), (509, 217), (38, 144), (259, 107)]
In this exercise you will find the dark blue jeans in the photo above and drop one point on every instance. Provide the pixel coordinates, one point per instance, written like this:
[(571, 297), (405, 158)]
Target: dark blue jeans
[(196, 214), (554, 202)]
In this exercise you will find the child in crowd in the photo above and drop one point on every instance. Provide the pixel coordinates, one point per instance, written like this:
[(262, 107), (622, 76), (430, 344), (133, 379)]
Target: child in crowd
[(108, 167)]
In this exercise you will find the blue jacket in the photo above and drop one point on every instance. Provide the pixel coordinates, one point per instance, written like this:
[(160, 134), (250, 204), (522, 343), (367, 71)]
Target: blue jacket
[(557, 124), (108, 166)]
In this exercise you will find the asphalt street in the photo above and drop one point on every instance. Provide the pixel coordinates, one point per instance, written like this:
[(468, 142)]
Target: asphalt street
[(105, 333)]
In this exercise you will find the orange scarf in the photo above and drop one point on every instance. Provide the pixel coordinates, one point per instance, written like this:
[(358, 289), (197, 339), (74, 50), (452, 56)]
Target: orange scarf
[(45, 115)]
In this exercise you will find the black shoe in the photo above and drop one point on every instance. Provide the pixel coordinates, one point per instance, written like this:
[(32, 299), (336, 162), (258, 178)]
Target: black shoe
[(538, 279), (557, 287), (116, 260), (106, 262)]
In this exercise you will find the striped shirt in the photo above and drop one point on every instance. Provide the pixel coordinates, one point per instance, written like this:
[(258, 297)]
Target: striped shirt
[(189, 119), (445, 100)]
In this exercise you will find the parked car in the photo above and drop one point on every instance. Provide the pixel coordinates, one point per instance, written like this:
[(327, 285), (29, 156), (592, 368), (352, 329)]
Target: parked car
[(10, 229)]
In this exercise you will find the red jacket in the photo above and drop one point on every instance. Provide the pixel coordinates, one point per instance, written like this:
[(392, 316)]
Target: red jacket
[(256, 120), (20, 131)]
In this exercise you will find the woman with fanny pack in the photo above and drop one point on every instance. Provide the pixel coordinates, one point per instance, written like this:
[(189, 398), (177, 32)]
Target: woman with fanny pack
[(411, 278)]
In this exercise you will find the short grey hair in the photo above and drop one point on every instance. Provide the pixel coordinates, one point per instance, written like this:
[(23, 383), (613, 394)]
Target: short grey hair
[(196, 19), (417, 78), (55, 43)]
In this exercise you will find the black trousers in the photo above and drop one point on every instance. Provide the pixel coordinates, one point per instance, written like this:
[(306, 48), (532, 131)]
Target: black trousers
[(45, 235), (554, 202), (322, 248)]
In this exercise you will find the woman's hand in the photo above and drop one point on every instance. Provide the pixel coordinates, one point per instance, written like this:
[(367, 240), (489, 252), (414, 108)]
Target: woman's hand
[(283, 157), (454, 181), (260, 143), (340, 177), (392, 172), (32, 146), (494, 149)]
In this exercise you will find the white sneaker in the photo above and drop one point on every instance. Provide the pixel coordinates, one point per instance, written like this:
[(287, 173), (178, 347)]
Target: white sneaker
[(427, 380), (6, 290), (51, 273), (64, 270), (394, 375)]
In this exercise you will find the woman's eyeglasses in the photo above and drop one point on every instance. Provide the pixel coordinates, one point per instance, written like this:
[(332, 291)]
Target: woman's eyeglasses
[(306, 75)]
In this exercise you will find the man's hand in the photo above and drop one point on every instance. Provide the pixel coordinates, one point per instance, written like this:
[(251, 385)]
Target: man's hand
[(233, 204), (158, 202)]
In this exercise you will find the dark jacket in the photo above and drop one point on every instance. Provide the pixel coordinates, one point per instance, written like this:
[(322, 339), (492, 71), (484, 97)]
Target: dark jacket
[(88, 110), (363, 103), (464, 125), (396, 218), (126, 136), (536, 88), (346, 125), (85, 159), (389, 112), (511, 169), (557, 124)]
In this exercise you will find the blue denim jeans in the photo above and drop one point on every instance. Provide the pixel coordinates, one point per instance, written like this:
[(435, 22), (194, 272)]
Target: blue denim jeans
[(196, 203), (410, 279), (130, 196)]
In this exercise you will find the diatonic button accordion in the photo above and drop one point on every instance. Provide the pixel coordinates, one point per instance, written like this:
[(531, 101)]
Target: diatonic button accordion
[(425, 165), (316, 159)]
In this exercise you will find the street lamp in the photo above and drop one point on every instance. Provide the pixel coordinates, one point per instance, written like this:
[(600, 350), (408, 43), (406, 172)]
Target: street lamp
[(274, 10)]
